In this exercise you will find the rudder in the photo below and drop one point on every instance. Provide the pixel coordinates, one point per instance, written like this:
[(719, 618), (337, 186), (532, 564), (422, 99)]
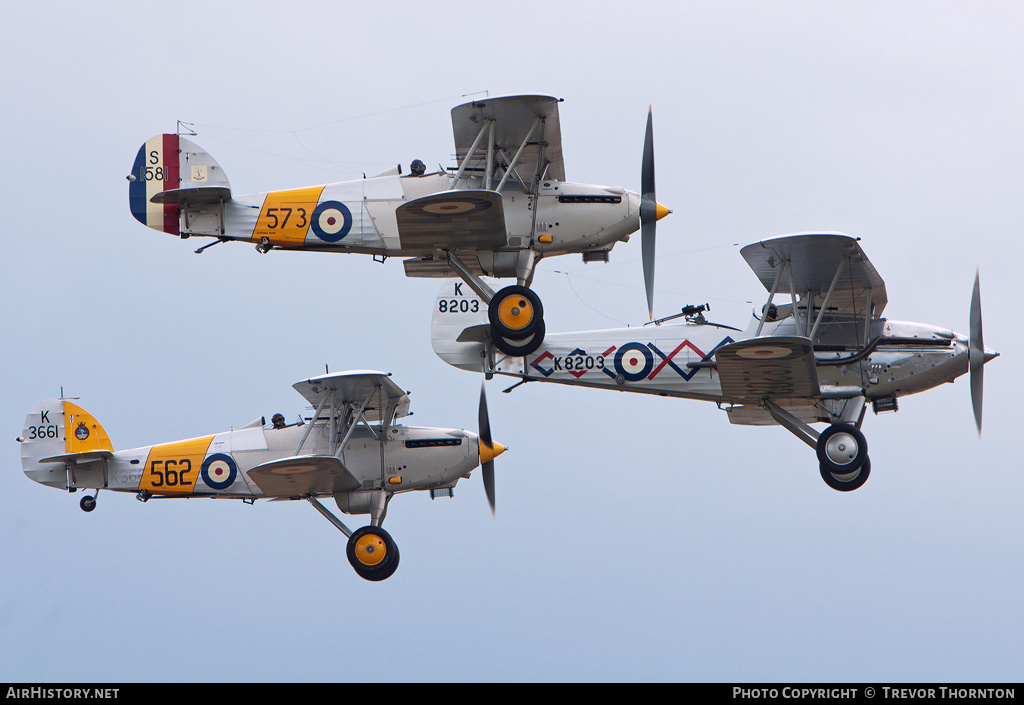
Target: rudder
[(170, 171), (58, 431), (459, 326)]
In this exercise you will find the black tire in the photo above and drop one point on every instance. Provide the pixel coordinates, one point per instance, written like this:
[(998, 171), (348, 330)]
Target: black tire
[(520, 348), (364, 546), (842, 449), (855, 479), (529, 313), (87, 503)]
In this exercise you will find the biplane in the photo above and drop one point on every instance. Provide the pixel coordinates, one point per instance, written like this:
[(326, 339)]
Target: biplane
[(503, 207), (349, 448), (820, 351)]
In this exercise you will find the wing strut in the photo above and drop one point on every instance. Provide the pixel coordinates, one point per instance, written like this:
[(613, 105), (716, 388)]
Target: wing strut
[(490, 157), (775, 287), (510, 169), (312, 423), (529, 136), (357, 416), (470, 153)]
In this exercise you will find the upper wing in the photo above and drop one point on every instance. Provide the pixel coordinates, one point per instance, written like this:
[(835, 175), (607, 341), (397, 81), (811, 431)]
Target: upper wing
[(303, 475), (814, 261), (384, 399), (514, 118)]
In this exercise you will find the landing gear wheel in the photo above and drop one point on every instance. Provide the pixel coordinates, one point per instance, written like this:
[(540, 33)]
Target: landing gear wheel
[(842, 449), (515, 313), (520, 348), (87, 503), (849, 481), (373, 553)]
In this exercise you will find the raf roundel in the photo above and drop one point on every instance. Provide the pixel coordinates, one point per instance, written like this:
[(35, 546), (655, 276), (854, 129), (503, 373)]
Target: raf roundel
[(331, 221), (634, 361), (219, 471), (765, 352)]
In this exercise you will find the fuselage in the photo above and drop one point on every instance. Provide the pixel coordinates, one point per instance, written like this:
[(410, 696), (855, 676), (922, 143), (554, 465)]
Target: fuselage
[(359, 216), (890, 359), (677, 360)]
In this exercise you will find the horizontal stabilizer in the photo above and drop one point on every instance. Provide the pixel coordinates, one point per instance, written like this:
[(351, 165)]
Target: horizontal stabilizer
[(772, 367), (303, 475), (475, 334), (91, 456), (450, 220), (193, 196)]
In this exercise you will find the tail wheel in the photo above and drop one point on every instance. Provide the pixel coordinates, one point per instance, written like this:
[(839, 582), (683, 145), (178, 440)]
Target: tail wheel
[(515, 313), (842, 449), (372, 553), (849, 481), (520, 348)]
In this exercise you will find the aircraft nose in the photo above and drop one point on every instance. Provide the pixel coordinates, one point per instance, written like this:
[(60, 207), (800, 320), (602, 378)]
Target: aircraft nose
[(487, 454), (660, 211)]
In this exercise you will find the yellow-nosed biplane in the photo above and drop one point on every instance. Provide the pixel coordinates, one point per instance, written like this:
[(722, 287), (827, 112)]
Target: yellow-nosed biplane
[(503, 207), (349, 448)]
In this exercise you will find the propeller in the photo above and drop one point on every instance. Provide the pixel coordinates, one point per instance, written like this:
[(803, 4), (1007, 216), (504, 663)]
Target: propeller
[(650, 212), (489, 450), (976, 352)]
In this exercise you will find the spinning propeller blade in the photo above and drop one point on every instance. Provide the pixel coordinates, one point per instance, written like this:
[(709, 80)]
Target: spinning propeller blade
[(489, 450), (976, 352), (650, 213)]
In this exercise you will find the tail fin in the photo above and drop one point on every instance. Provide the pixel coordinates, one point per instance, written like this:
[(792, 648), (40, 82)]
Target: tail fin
[(171, 172), (58, 431), (459, 326)]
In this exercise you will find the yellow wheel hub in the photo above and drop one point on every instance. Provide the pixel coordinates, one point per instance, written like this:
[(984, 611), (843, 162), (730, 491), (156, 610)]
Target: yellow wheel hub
[(370, 549), (515, 312)]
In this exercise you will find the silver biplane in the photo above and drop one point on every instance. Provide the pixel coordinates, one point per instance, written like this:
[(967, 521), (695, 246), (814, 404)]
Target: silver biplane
[(503, 207), (350, 448), (819, 352)]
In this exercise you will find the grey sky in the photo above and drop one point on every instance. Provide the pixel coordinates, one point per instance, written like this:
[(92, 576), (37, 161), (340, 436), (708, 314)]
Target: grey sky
[(635, 538)]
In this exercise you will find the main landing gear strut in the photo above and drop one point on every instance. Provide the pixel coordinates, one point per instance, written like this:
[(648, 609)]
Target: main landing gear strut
[(841, 448), (371, 551), (515, 312)]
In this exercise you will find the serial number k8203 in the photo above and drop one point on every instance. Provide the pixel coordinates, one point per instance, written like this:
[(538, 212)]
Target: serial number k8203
[(458, 305)]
